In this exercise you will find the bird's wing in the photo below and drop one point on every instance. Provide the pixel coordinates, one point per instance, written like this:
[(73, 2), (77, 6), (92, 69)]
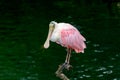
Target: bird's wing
[(71, 38)]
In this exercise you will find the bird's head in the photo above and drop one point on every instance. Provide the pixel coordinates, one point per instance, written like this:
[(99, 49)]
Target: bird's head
[(52, 25), (51, 29)]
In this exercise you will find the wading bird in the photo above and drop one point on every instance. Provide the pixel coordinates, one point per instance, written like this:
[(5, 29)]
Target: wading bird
[(67, 36)]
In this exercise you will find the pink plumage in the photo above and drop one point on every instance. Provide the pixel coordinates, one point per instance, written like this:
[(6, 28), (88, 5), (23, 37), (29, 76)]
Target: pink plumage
[(70, 37)]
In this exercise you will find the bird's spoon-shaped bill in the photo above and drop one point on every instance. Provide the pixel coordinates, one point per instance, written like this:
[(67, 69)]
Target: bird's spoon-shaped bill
[(47, 42)]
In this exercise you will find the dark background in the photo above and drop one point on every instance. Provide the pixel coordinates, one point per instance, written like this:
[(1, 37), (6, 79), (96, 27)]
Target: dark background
[(24, 28)]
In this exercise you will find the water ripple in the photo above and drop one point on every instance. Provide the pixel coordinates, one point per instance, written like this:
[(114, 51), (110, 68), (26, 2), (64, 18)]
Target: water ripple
[(111, 66), (80, 71), (84, 76), (98, 51), (108, 72), (101, 69), (96, 45), (100, 75)]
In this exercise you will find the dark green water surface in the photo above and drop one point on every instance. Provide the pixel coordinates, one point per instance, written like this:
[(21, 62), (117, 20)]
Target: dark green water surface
[(22, 56)]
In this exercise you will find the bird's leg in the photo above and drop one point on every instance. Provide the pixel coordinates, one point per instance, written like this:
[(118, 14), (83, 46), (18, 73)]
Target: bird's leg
[(67, 61), (67, 56), (59, 72), (66, 64)]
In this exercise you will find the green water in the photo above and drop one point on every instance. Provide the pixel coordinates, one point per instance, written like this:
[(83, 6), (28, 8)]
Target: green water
[(22, 56)]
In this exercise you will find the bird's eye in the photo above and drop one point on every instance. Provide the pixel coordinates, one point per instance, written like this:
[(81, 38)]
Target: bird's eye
[(52, 23)]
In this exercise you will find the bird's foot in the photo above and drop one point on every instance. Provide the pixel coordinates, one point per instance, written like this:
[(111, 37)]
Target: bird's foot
[(62, 67), (59, 73), (67, 66)]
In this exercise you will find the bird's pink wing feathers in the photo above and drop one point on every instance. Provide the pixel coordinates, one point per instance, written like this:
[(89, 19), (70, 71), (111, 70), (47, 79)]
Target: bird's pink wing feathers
[(71, 38)]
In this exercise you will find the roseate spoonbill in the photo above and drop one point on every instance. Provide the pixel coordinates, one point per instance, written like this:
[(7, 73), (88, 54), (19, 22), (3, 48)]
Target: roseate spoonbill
[(67, 36)]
